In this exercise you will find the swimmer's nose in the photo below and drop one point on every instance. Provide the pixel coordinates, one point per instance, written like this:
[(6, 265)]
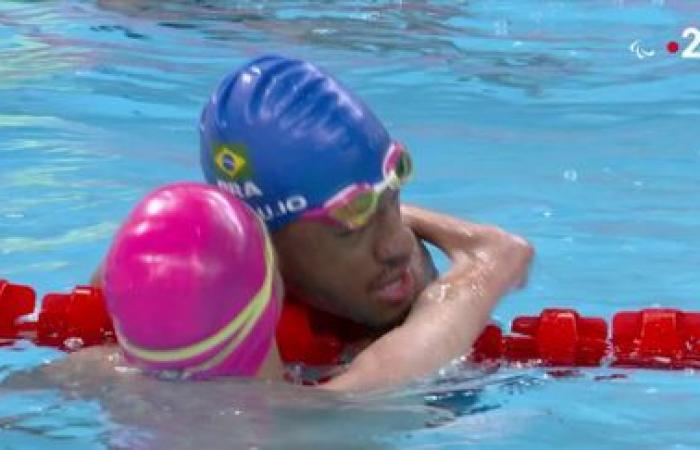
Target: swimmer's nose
[(393, 240)]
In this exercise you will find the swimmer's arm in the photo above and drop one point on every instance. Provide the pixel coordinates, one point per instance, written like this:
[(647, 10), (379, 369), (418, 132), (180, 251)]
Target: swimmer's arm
[(452, 311)]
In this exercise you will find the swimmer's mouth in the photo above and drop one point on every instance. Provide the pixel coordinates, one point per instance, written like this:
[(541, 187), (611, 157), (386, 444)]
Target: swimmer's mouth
[(395, 287)]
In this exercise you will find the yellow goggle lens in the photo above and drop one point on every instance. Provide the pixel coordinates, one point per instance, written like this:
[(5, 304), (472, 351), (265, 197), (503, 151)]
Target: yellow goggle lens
[(357, 212)]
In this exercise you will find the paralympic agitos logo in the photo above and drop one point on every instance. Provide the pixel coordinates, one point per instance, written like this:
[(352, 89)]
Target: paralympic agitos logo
[(688, 50)]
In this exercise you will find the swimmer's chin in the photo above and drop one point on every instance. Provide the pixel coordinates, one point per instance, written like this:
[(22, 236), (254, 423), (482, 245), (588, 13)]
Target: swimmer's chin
[(382, 323)]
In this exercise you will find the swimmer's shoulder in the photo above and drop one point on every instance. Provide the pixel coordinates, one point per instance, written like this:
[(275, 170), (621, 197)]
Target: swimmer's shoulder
[(93, 366)]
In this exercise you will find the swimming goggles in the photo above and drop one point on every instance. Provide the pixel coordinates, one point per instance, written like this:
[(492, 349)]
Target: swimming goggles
[(354, 206)]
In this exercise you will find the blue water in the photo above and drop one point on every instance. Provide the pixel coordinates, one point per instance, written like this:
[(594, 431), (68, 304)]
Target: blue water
[(530, 114)]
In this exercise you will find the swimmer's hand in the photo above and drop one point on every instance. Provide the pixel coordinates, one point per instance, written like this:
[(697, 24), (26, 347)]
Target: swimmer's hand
[(451, 312), (468, 242)]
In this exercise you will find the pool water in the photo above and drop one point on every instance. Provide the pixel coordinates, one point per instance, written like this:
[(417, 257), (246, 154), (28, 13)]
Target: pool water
[(534, 115)]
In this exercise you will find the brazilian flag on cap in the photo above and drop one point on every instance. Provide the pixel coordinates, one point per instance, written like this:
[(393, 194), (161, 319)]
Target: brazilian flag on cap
[(232, 162)]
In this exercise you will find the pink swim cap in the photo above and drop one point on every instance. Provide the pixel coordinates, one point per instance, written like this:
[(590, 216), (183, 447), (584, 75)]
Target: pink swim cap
[(191, 284)]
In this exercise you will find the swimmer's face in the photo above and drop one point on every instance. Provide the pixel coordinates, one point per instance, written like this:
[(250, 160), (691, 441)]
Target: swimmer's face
[(371, 275)]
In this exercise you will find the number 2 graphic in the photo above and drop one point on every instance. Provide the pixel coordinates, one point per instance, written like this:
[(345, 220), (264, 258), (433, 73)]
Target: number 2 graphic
[(692, 50)]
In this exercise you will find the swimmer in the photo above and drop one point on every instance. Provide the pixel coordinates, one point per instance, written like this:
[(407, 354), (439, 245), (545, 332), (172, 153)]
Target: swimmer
[(322, 171), (192, 287), (191, 284), (314, 162)]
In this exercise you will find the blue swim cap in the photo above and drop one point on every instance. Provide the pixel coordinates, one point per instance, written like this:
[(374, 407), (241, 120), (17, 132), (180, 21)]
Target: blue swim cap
[(285, 137)]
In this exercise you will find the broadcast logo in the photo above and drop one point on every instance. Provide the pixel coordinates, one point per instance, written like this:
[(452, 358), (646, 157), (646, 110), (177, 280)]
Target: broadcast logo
[(689, 50)]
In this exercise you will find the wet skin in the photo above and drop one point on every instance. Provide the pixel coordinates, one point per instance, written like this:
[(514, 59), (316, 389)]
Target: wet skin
[(371, 275)]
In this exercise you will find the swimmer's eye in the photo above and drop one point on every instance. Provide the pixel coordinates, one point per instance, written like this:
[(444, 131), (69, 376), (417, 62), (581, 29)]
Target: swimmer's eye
[(353, 233)]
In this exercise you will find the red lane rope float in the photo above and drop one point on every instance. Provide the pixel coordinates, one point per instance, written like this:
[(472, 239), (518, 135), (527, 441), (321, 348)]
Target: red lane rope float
[(16, 301), (657, 338), (79, 315), (557, 337), (660, 338), (299, 342)]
